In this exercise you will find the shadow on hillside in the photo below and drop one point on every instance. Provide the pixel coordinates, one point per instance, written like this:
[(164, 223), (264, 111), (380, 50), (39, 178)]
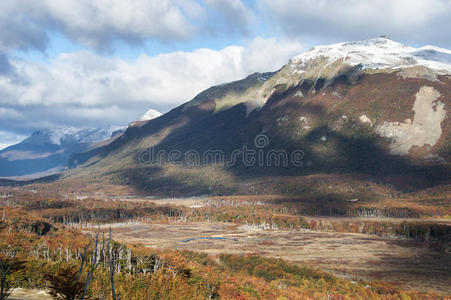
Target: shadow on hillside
[(359, 157), (354, 155), (45, 179), (151, 181), (362, 153)]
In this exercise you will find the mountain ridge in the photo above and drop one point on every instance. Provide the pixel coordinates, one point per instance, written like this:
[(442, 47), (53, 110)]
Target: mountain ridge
[(47, 150), (333, 111), (342, 59), (381, 52)]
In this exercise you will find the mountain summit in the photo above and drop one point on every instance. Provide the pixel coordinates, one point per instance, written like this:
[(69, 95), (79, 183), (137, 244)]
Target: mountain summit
[(350, 59), (149, 115), (376, 53)]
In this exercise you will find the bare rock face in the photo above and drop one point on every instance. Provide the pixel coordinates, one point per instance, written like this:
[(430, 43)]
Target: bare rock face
[(365, 120), (425, 129)]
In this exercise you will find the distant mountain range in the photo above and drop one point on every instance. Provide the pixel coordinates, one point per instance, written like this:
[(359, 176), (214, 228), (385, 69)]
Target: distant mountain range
[(47, 151), (369, 108)]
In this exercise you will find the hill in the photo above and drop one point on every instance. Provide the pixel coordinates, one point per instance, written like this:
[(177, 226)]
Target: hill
[(339, 117)]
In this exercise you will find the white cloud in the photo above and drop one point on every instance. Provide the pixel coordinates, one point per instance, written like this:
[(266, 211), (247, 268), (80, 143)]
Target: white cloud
[(9, 138), (235, 15), (9, 114), (404, 20), (17, 30), (263, 55), (192, 9), (97, 23), (100, 24), (26, 24), (86, 89)]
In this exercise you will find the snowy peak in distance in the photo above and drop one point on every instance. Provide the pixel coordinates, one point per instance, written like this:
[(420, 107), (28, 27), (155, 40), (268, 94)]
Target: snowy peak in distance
[(69, 135), (149, 115), (46, 151), (377, 53)]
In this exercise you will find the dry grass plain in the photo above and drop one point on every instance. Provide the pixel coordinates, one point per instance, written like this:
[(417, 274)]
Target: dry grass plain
[(407, 263)]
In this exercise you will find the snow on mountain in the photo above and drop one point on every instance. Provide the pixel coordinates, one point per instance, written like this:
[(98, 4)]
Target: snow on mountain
[(47, 150), (149, 115), (59, 136), (377, 53), (70, 135)]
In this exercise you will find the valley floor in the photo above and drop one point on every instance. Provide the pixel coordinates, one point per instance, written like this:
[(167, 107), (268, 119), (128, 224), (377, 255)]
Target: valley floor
[(408, 263), (410, 253)]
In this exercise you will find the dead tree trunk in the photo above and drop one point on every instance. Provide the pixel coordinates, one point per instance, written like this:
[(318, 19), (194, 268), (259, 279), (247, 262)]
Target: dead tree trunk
[(83, 260), (111, 264), (95, 261)]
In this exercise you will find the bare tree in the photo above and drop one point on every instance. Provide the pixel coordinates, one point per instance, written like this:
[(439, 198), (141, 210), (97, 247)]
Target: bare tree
[(83, 261), (95, 261), (111, 264)]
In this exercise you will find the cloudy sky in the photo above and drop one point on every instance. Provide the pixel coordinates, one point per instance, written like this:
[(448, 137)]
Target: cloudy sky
[(85, 63)]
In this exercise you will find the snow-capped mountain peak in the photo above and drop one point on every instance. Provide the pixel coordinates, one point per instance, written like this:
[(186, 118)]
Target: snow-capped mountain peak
[(377, 53), (149, 115), (65, 135)]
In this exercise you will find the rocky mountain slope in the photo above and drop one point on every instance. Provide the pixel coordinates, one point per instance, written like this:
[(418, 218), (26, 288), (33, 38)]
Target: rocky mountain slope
[(375, 110)]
